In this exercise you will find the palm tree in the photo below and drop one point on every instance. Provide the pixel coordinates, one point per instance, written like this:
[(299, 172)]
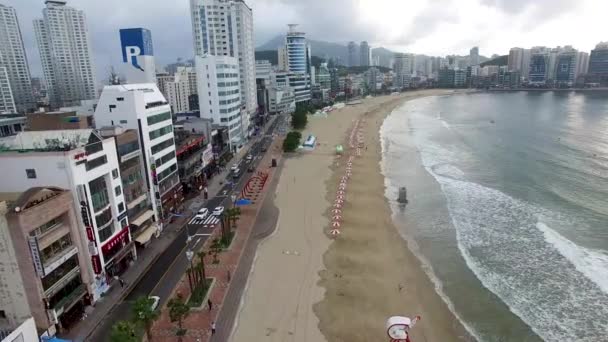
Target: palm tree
[(201, 256), (124, 331), (144, 315), (178, 311)]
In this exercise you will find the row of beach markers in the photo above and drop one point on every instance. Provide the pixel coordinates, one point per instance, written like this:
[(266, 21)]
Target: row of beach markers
[(356, 143)]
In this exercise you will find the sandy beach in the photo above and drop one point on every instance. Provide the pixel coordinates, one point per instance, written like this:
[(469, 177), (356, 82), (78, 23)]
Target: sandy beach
[(305, 286)]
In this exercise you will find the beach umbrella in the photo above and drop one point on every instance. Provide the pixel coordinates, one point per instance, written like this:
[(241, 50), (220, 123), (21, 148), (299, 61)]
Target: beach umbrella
[(341, 198), (337, 205), (334, 232), (335, 224), (337, 218), (340, 193), (336, 211), (342, 187), (339, 201)]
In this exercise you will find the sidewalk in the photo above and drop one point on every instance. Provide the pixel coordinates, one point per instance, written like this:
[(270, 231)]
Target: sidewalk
[(147, 256), (225, 274)]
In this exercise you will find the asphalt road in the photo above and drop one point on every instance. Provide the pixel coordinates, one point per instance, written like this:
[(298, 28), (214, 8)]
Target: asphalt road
[(164, 274)]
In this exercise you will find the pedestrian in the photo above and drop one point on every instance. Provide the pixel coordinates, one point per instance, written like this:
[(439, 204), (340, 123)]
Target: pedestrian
[(122, 282), (209, 304), (228, 274), (212, 328)]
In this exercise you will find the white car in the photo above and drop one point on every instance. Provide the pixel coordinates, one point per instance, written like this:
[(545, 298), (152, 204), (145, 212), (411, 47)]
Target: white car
[(234, 167), (202, 213), (218, 211), (249, 158)]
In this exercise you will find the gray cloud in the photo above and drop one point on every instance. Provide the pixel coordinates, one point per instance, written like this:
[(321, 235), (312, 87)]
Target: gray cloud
[(427, 22), (544, 8)]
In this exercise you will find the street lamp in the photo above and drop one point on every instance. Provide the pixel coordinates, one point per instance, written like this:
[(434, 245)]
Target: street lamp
[(233, 198)]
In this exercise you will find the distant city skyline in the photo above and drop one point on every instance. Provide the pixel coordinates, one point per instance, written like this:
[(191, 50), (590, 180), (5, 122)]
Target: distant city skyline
[(426, 27)]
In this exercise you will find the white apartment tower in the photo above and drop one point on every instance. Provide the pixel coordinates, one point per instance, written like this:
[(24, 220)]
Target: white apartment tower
[(225, 28), (14, 60), (65, 52), (143, 107), (219, 94), (178, 90), (7, 103)]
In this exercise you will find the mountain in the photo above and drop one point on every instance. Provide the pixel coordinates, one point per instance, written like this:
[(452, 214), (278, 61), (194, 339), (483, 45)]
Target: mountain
[(498, 61), (270, 55)]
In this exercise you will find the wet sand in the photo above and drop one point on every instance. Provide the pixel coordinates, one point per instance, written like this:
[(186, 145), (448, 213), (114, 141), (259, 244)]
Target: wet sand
[(305, 286)]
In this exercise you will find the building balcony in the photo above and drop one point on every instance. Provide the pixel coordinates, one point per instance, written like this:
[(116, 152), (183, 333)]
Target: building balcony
[(65, 279), (68, 301), (169, 183), (58, 259)]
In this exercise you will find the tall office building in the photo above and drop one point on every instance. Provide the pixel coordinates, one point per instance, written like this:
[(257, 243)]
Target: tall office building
[(219, 94), (539, 66), (179, 90), (474, 56), (598, 64), (14, 60), (225, 28), (138, 55), (365, 54), (296, 55), (515, 59), (353, 54), (65, 52)]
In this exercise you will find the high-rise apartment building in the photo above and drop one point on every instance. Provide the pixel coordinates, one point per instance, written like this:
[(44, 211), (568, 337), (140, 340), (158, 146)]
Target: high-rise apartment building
[(402, 68), (474, 56), (353, 54), (225, 28), (180, 88), (365, 54), (14, 60), (65, 52), (7, 102), (598, 64)]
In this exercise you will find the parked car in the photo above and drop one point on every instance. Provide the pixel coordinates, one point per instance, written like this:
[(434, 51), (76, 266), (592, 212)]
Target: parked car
[(218, 211), (249, 158), (202, 213), (236, 173), (250, 168)]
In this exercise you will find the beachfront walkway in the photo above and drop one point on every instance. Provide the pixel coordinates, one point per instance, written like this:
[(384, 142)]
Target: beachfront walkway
[(230, 274)]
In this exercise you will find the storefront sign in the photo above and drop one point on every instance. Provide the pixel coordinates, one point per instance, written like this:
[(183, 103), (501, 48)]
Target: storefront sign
[(34, 249), (120, 238), (207, 156), (96, 264)]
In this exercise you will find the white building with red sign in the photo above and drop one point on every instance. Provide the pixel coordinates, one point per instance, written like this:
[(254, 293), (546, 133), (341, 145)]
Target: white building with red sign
[(143, 107), (85, 163)]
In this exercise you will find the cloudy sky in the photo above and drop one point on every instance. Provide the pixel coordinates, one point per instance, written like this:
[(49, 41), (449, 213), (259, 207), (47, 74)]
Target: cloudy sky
[(432, 27)]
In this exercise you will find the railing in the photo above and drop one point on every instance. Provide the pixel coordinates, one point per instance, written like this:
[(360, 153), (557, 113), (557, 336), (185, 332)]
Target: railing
[(70, 298), (61, 282)]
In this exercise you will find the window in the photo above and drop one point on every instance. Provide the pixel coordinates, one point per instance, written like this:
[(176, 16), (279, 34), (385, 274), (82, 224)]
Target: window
[(159, 118), (31, 173), (123, 121), (167, 172), (121, 207), (90, 165), (117, 190), (163, 145), (120, 99), (123, 223), (46, 227), (160, 132), (167, 157), (114, 173), (56, 248)]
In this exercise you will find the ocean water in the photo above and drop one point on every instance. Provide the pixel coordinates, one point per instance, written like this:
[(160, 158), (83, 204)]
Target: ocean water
[(508, 208)]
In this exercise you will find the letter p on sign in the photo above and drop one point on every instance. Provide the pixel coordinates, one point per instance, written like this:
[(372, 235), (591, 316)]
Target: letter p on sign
[(132, 51)]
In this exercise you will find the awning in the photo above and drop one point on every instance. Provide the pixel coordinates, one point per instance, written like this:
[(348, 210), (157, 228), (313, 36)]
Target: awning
[(143, 218), (146, 235)]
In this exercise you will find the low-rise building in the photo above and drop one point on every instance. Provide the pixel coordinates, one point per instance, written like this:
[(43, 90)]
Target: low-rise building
[(189, 149), (87, 165), (47, 121), (47, 272), (11, 124)]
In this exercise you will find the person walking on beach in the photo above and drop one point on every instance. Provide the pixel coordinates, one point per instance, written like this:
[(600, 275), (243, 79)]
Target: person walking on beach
[(210, 304), (212, 328)]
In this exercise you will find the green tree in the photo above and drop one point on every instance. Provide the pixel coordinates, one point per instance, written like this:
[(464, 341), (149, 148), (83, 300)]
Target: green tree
[(178, 311), (201, 256), (124, 331), (144, 315), (233, 215), (292, 141)]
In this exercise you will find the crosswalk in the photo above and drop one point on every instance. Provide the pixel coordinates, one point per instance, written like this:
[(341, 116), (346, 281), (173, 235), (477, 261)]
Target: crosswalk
[(209, 221)]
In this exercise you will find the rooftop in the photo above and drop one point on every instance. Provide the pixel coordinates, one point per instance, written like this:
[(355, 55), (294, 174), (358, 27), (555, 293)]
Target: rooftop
[(47, 141), (151, 92), (19, 201)]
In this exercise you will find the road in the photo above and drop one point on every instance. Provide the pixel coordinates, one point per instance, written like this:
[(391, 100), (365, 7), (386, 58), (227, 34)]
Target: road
[(163, 275)]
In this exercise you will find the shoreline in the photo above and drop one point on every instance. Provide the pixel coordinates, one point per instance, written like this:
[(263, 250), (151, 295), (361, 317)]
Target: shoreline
[(292, 293), (371, 272)]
